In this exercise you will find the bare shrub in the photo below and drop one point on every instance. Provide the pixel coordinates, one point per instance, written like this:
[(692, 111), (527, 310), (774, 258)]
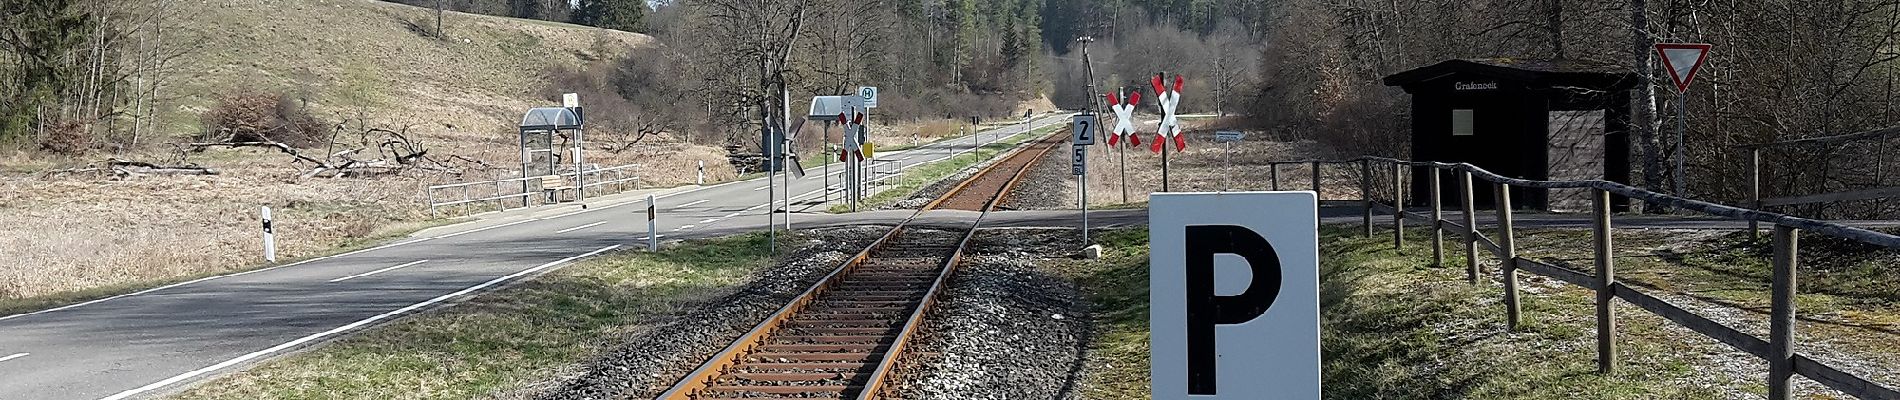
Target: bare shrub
[(66, 138), (262, 117)]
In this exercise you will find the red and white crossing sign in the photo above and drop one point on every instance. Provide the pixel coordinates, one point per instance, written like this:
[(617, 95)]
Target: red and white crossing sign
[(853, 123), (1124, 119), (1683, 60), (1169, 100)]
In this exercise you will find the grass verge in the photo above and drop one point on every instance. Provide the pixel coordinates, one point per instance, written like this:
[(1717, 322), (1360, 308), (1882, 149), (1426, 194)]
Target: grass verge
[(499, 341), (1394, 328), (919, 177)]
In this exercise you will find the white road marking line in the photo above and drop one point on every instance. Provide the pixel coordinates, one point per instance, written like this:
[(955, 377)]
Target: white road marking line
[(376, 271), (692, 203), (659, 236), (684, 227), (11, 357), (760, 188), (710, 220), (579, 227), (450, 235), (345, 328)]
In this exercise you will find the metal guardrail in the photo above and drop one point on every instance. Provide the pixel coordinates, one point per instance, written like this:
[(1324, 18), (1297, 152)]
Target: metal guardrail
[(504, 194), (1778, 350)]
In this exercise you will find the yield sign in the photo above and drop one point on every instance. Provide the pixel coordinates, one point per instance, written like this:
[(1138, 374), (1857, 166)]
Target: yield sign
[(1683, 61)]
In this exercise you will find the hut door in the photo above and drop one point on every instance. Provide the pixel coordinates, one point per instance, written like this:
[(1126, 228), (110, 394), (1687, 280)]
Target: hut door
[(1576, 154)]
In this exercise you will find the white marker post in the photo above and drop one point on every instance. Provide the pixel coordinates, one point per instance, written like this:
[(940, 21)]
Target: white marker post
[(653, 238), (702, 173), (270, 238)]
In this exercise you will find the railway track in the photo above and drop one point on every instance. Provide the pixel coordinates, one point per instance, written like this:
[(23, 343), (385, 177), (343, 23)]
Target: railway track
[(842, 338)]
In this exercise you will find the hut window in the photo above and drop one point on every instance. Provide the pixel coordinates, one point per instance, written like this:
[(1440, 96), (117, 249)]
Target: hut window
[(1461, 124)]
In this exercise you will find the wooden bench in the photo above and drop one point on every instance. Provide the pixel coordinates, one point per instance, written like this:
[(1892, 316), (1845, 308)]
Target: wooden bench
[(552, 185)]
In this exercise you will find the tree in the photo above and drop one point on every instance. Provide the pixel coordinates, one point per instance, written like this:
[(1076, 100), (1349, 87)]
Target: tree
[(44, 38), (621, 15)]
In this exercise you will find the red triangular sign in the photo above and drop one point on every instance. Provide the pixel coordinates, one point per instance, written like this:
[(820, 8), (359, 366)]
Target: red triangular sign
[(1683, 60)]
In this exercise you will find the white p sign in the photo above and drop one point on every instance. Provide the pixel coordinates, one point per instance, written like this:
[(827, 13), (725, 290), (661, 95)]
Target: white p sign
[(1234, 291)]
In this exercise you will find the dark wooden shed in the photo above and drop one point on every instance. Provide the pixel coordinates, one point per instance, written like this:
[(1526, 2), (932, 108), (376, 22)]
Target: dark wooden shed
[(1522, 119)]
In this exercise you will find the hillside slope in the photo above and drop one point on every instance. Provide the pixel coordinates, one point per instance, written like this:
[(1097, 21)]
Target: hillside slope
[(351, 57), (72, 236)]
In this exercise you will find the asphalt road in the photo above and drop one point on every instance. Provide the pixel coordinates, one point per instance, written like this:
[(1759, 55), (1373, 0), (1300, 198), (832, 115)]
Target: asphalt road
[(157, 341)]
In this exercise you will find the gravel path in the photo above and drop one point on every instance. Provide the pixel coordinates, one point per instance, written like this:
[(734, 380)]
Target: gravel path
[(647, 362), (1005, 329)]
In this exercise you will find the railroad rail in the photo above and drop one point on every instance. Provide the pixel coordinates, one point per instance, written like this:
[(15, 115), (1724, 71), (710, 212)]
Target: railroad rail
[(843, 337)]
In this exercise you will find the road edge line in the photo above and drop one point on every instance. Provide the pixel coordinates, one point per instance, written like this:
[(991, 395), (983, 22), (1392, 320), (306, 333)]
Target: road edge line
[(348, 327)]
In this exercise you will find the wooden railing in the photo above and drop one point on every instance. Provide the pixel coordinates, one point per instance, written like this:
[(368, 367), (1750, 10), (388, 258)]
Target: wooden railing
[(1779, 350)]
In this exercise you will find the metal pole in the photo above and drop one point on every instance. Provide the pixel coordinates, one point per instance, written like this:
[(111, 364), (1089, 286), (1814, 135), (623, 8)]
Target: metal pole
[(827, 154), (1085, 198), (1781, 318), (1606, 277), (1682, 128), (771, 149), (1122, 152), (1511, 307), (1226, 180)]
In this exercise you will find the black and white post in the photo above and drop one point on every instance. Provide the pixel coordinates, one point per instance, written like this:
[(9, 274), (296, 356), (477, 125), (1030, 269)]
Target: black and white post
[(270, 238), (653, 237)]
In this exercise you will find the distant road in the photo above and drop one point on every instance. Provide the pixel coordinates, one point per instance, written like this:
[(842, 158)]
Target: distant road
[(157, 341)]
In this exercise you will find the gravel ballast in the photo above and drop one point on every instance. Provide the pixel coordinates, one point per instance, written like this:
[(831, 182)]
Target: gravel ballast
[(1004, 328), (648, 362)]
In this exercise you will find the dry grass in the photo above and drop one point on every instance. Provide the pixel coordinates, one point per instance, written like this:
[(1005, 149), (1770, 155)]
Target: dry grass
[(75, 237)]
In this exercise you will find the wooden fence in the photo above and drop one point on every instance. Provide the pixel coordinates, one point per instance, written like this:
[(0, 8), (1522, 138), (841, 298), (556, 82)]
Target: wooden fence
[(1778, 350)]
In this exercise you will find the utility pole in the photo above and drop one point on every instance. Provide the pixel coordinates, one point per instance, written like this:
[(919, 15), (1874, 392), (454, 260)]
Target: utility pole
[(1095, 107)]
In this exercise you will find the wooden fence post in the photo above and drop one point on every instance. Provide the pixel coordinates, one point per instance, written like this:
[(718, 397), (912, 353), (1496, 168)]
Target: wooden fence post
[(1781, 318), (1365, 192), (1316, 191), (1471, 226), (1754, 191), (1398, 206), (1505, 243), (1438, 220), (1606, 277), (1275, 168)]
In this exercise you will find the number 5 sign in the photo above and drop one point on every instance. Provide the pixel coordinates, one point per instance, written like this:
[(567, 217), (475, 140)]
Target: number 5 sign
[(1084, 130)]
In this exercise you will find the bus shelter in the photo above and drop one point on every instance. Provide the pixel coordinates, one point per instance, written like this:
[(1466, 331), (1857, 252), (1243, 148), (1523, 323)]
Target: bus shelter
[(541, 154)]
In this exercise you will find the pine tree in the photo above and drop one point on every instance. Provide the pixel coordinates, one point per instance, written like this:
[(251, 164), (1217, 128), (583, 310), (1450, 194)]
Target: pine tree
[(623, 15)]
